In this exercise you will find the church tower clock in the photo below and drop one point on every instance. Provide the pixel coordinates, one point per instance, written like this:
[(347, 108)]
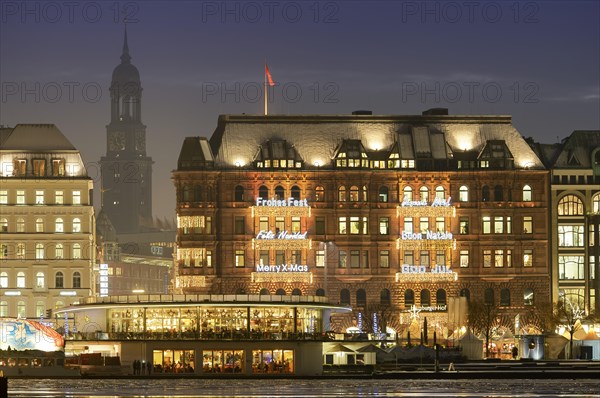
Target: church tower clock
[(126, 171)]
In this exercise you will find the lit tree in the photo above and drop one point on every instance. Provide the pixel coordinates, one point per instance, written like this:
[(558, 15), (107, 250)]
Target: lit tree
[(569, 316)]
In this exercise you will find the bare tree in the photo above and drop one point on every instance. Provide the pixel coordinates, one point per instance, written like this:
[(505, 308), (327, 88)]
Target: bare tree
[(482, 319), (570, 316)]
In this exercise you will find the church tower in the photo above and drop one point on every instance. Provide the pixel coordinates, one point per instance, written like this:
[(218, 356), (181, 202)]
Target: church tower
[(126, 170)]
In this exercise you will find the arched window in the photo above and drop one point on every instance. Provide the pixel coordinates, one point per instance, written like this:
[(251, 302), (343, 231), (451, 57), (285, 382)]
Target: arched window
[(280, 292), (425, 298), (498, 193), (21, 279), (76, 225), (345, 297), (239, 193), (3, 308), (440, 192), (76, 280), (40, 280), (40, 307), (383, 194), (505, 297), (596, 201), (263, 192), (296, 292), (424, 194), (408, 194), (39, 225), (384, 297), (464, 292), (527, 197), (39, 251), (296, 192), (187, 193), (353, 193), (364, 193), (20, 225), (463, 193), (76, 251), (3, 280), (59, 251), (361, 298), (279, 192), (319, 194), (570, 205), (409, 297), (240, 290), (528, 296), (264, 292), (59, 225), (3, 225), (21, 309), (440, 297), (488, 296), (342, 194), (320, 292), (485, 194), (59, 280), (58, 305)]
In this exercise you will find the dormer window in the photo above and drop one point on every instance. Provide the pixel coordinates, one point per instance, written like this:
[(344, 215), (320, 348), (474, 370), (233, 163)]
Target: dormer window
[(496, 155), (351, 154), (278, 155)]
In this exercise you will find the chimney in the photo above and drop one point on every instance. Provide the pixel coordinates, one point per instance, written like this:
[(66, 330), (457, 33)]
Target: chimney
[(436, 111)]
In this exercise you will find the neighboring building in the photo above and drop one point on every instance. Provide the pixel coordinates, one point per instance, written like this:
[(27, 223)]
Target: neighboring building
[(142, 267), (47, 222), (379, 212), (126, 170), (575, 217)]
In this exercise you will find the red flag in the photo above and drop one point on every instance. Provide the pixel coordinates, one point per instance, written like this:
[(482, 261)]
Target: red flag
[(269, 77)]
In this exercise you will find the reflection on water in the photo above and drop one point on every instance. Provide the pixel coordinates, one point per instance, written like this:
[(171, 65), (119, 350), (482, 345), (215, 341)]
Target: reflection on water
[(301, 388)]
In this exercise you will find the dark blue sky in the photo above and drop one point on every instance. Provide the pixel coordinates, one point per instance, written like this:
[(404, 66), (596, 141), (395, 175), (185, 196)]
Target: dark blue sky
[(538, 61)]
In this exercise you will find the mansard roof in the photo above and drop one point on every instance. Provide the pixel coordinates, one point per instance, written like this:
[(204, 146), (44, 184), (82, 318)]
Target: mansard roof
[(195, 152), (35, 138), (317, 138), (578, 149)]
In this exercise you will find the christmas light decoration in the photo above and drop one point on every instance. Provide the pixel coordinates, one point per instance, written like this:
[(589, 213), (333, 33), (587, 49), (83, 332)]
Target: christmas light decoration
[(281, 277)]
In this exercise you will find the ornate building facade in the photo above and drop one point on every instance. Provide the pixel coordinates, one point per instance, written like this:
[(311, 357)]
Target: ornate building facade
[(407, 213), (46, 222), (575, 218), (126, 169)]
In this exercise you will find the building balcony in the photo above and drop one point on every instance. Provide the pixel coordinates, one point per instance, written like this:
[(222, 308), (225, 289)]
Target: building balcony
[(281, 244), (281, 211), (425, 211), (282, 277)]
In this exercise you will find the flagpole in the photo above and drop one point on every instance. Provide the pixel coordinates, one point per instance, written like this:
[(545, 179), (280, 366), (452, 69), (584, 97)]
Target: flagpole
[(266, 100)]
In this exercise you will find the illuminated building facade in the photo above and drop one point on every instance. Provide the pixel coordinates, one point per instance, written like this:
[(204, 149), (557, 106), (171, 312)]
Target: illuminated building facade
[(575, 215), (46, 222), (400, 212)]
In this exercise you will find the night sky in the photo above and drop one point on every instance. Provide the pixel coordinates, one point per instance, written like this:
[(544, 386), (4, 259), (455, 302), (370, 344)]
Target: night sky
[(537, 61)]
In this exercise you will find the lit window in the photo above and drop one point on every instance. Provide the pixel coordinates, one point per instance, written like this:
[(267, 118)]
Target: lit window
[(408, 224), (3, 308), (384, 225), (424, 194), (487, 258), (39, 251), (596, 203), (527, 193), (58, 167), (21, 279), (59, 225), (20, 225), (408, 194), (354, 225), (527, 225), (463, 194), (319, 194), (571, 267), (39, 197), (487, 225), (3, 225), (464, 258), (76, 225), (527, 258), (342, 194), (39, 280), (320, 258), (353, 193), (39, 167), (76, 197), (440, 193), (240, 258), (58, 197), (21, 309), (76, 251), (571, 235), (464, 225), (499, 258), (528, 296), (21, 251), (570, 205), (342, 228), (39, 225), (3, 197), (3, 280), (499, 225), (59, 251), (20, 197)]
